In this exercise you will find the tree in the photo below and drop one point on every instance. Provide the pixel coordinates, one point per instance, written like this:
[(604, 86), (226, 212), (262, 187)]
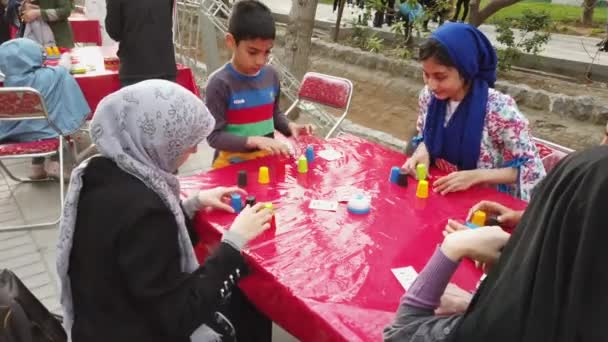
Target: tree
[(299, 34), (477, 16), (588, 7)]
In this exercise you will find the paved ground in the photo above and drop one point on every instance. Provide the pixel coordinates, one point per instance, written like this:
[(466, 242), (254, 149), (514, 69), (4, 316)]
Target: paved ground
[(560, 46), (31, 254)]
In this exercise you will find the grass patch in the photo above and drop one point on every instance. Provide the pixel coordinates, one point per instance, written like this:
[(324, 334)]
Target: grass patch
[(561, 14)]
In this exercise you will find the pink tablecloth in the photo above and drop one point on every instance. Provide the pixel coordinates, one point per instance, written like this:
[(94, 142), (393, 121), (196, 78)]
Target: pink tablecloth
[(326, 276), (95, 86)]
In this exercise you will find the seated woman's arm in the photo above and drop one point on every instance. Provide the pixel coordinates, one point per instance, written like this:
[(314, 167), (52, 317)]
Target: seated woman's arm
[(415, 319), (178, 302), (417, 306)]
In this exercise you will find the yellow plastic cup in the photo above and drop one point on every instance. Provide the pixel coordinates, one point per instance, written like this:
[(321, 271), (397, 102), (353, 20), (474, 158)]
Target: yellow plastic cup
[(421, 172), (302, 165), (479, 218), (422, 191), (263, 175)]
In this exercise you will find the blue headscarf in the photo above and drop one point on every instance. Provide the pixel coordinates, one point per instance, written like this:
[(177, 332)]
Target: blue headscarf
[(475, 58), (21, 62)]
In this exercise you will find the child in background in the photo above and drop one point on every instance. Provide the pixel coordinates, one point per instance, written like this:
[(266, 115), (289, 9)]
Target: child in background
[(469, 129), (243, 95)]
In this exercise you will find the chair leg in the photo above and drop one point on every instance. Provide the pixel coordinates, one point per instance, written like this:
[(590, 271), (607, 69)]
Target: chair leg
[(18, 179), (61, 178), (336, 125), (42, 225)]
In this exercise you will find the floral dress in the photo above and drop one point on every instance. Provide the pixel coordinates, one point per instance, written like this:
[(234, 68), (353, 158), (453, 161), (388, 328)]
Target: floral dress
[(506, 142)]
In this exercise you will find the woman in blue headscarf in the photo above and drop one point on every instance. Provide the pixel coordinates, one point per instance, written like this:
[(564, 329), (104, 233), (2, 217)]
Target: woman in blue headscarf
[(21, 62), (466, 127)]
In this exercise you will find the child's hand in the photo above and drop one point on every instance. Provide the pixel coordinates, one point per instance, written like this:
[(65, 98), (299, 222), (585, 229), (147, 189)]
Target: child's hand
[(270, 145), (458, 181), (483, 244), (252, 221), (420, 156), (505, 216), (297, 129), (218, 198)]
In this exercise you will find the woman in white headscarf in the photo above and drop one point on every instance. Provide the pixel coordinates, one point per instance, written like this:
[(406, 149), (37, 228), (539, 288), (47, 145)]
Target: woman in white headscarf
[(125, 260)]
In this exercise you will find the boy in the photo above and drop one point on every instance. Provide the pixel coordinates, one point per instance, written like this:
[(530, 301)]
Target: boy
[(243, 95)]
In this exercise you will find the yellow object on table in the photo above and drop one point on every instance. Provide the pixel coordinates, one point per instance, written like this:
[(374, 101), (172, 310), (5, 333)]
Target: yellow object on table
[(479, 218), (422, 191), (226, 158), (264, 176)]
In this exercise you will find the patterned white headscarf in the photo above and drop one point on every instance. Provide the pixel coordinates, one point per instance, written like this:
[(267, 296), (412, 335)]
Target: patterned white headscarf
[(144, 129)]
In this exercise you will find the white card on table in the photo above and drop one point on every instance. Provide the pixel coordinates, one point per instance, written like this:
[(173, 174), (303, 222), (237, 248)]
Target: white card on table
[(323, 205), (329, 154), (405, 276)]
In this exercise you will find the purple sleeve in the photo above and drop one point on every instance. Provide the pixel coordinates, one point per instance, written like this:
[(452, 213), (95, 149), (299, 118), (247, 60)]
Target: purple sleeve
[(281, 123), (216, 99), (426, 291)]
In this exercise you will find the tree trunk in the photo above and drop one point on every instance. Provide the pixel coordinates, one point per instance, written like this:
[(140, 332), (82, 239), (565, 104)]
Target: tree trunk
[(478, 16), (339, 19), (474, 12), (299, 34), (588, 7)]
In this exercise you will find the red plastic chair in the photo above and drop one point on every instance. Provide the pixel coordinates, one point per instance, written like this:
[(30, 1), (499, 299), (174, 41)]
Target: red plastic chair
[(24, 103), (550, 153), (326, 90)]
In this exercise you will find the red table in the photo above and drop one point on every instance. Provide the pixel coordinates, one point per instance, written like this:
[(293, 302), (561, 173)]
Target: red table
[(96, 85), (85, 30), (326, 276)]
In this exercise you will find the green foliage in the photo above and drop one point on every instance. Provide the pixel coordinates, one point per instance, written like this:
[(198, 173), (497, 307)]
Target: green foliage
[(374, 44), (359, 35), (376, 5), (534, 33)]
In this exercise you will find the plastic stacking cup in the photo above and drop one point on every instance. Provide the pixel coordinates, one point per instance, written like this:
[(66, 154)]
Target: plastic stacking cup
[(250, 201), (479, 218), (236, 203), (242, 179), (423, 189), (402, 178), (421, 172), (264, 175), (302, 165), (310, 154), (394, 177)]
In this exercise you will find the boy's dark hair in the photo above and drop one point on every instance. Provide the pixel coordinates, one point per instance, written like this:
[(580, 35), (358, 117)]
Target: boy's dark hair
[(431, 48), (251, 19)]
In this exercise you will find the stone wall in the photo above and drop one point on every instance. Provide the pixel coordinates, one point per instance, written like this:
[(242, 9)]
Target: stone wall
[(583, 108)]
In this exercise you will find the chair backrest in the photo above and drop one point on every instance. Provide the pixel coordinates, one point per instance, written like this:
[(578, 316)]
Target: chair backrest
[(326, 90), (21, 103), (550, 153)]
